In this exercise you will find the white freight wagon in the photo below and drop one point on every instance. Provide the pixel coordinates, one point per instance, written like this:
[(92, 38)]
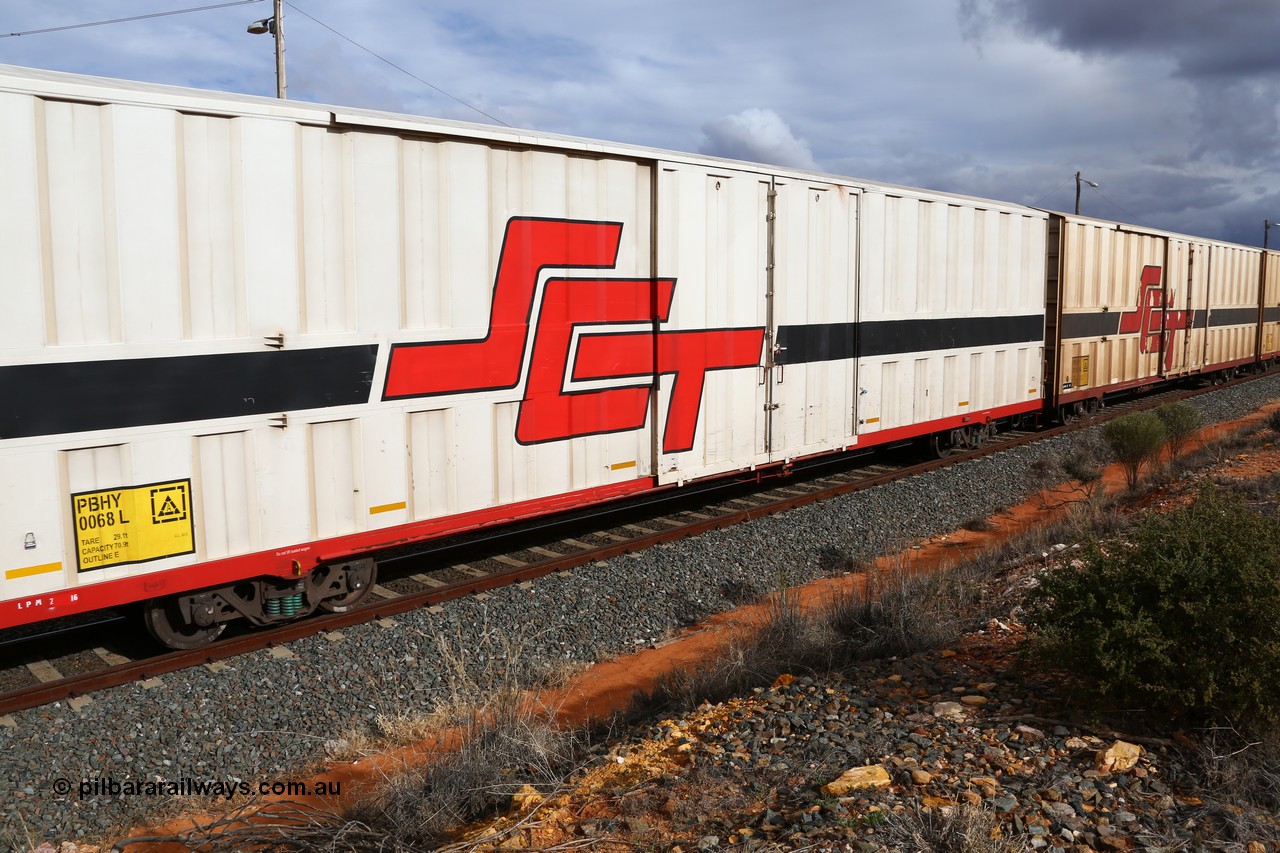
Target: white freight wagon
[(246, 343), (1136, 306)]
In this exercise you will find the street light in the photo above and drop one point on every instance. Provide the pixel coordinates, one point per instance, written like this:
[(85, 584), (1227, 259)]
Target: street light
[(1266, 232), (275, 26), (1079, 181)]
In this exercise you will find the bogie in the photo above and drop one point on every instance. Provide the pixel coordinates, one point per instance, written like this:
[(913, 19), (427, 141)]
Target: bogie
[(191, 620)]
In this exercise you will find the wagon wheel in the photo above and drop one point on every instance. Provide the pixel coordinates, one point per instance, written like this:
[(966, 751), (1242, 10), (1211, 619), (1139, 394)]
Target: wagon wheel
[(361, 576), (166, 626), (941, 445)]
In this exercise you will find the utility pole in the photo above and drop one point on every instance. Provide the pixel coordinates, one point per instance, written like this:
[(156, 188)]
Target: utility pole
[(1079, 181), (275, 26), (277, 30)]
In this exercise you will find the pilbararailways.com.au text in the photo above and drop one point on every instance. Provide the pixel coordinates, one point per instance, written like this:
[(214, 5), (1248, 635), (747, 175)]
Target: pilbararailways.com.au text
[(227, 789)]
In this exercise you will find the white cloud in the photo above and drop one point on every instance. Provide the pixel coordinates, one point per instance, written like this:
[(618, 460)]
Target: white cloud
[(758, 135)]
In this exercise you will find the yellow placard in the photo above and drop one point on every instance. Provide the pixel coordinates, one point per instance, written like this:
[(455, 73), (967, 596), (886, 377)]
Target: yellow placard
[(1080, 371), (116, 527)]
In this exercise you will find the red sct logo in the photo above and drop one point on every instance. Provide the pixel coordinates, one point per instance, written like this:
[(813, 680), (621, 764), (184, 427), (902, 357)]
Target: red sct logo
[(548, 412), (1153, 317)]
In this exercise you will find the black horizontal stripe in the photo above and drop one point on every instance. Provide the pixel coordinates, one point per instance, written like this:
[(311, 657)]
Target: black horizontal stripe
[(1232, 316), (1107, 323), (79, 396), (890, 337), (816, 342), (1095, 324), (803, 344)]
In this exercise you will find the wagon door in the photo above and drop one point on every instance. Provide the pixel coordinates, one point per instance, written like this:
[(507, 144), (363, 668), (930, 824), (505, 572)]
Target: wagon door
[(812, 312), (712, 238), (1184, 290)]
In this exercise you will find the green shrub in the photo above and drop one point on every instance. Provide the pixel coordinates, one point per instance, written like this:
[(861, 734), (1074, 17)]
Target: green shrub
[(1180, 421), (1183, 618), (1133, 440)]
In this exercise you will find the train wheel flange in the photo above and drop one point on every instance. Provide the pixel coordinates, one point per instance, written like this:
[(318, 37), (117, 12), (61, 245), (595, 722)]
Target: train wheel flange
[(361, 576), (166, 625), (941, 446)]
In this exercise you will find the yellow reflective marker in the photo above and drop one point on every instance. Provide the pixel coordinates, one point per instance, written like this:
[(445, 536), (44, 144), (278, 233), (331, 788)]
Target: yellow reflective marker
[(29, 571), (374, 510), (618, 466), (117, 527)]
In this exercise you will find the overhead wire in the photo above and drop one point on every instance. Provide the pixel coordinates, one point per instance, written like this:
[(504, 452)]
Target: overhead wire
[(302, 12), (1137, 220), (1133, 217), (396, 67), (1036, 203), (131, 18)]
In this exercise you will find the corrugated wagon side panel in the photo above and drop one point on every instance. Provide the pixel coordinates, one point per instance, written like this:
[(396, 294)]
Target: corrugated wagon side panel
[(815, 280), (950, 319), (1271, 305), (22, 322), (144, 171), (85, 296), (713, 240), (376, 234), (33, 549), (212, 278), (328, 297), (1101, 299), (448, 235), (227, 502), (1234, 276), (268, 225)]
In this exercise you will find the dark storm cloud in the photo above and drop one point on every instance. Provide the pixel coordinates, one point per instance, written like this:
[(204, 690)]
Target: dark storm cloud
[(1225, 49), (1201, 38)]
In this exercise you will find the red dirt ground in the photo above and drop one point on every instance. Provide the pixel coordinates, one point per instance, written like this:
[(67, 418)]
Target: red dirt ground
[(609, 687)]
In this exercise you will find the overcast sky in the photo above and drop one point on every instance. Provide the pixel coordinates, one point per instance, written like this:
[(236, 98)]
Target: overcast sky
[(1170, 105)]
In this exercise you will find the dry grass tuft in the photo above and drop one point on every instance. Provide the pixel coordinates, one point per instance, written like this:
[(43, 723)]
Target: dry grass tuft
[(895, 612), (954, 829), (1241, 775), (492, 740)]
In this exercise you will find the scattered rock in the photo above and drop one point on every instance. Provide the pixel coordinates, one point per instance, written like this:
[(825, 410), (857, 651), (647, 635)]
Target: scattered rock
[(857, 779), (1118, 757), (526, 799)]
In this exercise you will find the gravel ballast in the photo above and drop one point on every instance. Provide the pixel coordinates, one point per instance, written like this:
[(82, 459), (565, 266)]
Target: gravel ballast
[(269, 715)]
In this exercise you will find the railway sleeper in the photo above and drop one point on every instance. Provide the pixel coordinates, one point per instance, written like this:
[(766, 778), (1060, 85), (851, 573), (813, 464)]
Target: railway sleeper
[(193, 619)]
